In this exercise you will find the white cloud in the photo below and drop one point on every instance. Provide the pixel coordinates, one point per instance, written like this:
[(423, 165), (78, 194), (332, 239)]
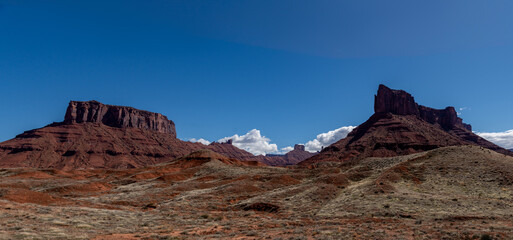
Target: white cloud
[(257, 144), (326, 139), (253, 142), (286, 150), (201, 140), (503, 139)]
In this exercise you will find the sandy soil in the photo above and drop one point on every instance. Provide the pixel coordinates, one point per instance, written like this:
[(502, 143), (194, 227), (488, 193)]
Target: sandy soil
[(448, 193)]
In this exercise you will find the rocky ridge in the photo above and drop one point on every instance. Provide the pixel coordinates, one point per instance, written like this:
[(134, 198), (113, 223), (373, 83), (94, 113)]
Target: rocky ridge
[(297, 155), (400, 126), (399, 102), (291, 158), (117, 116)]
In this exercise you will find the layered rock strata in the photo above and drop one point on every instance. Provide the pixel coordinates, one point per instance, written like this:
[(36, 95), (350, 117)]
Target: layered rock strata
[(117, 116), (400, 126)]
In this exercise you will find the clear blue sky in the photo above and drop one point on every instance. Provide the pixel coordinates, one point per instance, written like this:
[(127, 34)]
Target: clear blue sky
[(292, 69)]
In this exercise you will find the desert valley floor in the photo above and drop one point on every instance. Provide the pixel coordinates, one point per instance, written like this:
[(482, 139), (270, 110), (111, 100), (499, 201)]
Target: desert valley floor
[(463, 192)]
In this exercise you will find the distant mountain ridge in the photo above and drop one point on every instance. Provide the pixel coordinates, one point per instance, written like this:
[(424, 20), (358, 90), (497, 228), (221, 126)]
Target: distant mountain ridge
[(293, 157)]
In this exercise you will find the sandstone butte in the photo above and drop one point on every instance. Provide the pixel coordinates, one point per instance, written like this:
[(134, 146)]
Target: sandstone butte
[(400, 126), (96, 135)]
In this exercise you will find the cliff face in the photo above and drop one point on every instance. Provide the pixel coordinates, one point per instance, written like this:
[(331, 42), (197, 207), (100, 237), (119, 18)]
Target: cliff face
[(400, 126), (399, 102), (299, 147), (117, 116), (394, 101)]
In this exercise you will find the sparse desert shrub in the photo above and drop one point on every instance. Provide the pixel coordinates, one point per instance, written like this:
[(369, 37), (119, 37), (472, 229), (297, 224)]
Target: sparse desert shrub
[(335, 179), (149, 206), (264, 207), (486, 237), (356, 176)]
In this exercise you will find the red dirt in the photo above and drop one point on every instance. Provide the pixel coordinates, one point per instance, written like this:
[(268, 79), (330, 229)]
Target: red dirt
[(28, 196)]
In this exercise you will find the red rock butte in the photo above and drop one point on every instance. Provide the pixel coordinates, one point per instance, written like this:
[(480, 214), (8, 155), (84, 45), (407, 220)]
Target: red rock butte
[(96, 135), (400, 102), (117, 116), (400, 126)]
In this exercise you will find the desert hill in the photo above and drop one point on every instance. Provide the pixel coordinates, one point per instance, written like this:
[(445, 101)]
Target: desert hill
[(400, 126), (291, 158), (449, 182), (458, 192), (295, 156)]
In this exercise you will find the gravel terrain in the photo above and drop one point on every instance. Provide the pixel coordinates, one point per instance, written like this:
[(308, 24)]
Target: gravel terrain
[(461, 192)]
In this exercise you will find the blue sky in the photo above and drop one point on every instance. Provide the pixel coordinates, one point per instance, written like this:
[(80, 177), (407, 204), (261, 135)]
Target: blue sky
[(291, 69)]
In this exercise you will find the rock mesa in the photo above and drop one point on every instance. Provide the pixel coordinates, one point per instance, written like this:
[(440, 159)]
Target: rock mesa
[(400, 126), (117, 116)]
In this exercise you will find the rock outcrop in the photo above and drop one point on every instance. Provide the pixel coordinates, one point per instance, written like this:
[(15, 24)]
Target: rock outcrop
[(400, 126), (394, 101), (297, 155), (228, 149), (299, 147), (399, 102), (117, 116), (94, 135), (291, 158)]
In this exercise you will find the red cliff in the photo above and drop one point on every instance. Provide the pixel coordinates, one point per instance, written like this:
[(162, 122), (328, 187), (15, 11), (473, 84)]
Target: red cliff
[(117, 116), (399, 102), (400, 126)]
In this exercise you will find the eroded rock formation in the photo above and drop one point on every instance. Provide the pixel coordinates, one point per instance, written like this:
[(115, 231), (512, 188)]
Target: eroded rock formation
[(400, 126), (299, 147), (95, 135), (291, 158), (117, 116), (399, 102)]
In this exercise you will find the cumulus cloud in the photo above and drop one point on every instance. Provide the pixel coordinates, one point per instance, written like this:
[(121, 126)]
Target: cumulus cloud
[(503, 139), (328, 138), (286, 150), (253, 142), (201, 140)]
